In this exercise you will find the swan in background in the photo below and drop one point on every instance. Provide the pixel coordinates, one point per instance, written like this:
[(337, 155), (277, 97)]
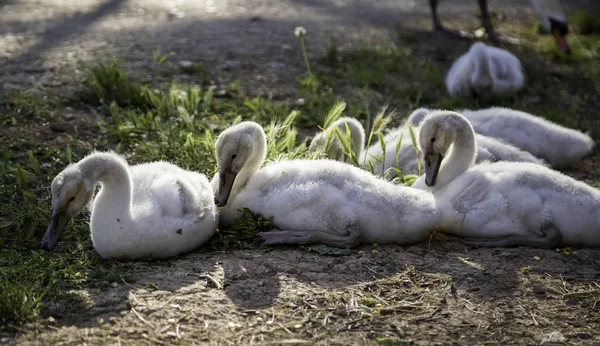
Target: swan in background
[(315, 201), (488, 148), (553, 19), (151, 210), (373, 157), (503, 203), (558, 145), (485, 71), (406, 158), (327, 141)]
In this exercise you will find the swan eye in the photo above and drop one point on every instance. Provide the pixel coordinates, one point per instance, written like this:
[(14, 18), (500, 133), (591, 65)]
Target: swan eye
[(71, 199), (433, 140), (233, 156)]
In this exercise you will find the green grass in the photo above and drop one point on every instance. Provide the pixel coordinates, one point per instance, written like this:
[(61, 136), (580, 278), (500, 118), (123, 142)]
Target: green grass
[(29, 277), (19, 103), (585, 22), (109, 83)]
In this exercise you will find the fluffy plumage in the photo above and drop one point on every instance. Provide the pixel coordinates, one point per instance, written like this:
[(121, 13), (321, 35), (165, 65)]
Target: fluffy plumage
[(502, 204), (485, 71), (406, 159), (558, 145), (150, 210), (488, 147), (315, 201)]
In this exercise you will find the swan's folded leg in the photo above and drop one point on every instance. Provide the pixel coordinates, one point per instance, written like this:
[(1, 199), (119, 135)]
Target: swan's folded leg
[(277, 236), (551, 239), (352, 239)]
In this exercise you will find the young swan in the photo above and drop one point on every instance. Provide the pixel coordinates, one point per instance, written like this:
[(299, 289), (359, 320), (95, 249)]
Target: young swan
[(488, 148), (558, 145), (150, 210), (503, 203), (327, 141), (485, 71), (315, 201)]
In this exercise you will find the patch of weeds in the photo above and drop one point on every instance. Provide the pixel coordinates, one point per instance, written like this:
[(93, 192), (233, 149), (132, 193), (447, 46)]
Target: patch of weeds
[(109, 83), (197, 69), (30, 277), (585, 22), (367, 301), (243, 233), (375, 66), (264, 110), (159, 57), (317, 99), (370, 162), (18, 303), (23, 210), (388, 69), (22, 103)]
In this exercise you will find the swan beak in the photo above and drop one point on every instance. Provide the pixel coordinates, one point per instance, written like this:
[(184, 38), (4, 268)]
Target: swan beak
[(55, 229), (226, 180), (561, 41), (433, 161)]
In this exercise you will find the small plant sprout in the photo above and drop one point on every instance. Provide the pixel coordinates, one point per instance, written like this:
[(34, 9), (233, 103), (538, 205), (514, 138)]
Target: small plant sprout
[(380, 122), (414, 143), (300, 32), (159, 57), (334, 114)]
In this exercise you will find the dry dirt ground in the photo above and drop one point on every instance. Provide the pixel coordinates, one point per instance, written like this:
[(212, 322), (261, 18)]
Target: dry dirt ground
[(440, 293)]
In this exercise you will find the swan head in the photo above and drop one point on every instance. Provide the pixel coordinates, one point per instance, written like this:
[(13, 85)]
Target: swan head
[(238, 147), (71, 193), (437, 133), (416, 117), (559, 30)]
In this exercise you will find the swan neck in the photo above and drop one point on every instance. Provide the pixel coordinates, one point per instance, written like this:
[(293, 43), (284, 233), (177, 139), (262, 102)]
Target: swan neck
[(250, 168), (462, 154), (113, 174)]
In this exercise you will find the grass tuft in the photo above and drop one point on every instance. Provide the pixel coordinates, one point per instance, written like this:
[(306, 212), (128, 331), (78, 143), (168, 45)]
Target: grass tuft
[(585, 22), (109, 84), (23, 103), (18, 303)]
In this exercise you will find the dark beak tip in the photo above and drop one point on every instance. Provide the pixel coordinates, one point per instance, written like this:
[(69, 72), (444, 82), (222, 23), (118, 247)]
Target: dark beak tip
[(218, 202)]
